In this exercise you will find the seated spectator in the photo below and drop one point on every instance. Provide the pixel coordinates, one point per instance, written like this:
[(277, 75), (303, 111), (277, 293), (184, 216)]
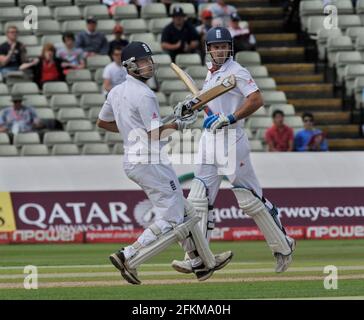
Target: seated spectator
[(114, 72), (112, 4), (47, 67), (279, 137), (179, 36), (73, 58), (242, 38), (222, 13), (12, 52), (92, 41), (19, 118), (118, 41), (310, 139), (206, 19)]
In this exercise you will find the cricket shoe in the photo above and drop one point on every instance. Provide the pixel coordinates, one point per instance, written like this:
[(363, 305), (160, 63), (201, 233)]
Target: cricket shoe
[(283, 261), (119, 261), (185, 266)]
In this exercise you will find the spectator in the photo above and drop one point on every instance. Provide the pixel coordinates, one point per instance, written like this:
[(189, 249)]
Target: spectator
[(47, 67), (92, 41), (206, 18), (19, 118), (179, 36), (118, 41), (222, 13), (12, 52), (310, 139), (242, 38), (114, 72), (112, 4), (279, 137), (73, 58)]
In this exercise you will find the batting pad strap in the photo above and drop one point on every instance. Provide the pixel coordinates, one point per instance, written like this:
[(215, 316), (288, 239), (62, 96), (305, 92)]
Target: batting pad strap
[(255, 208), (179, 233)]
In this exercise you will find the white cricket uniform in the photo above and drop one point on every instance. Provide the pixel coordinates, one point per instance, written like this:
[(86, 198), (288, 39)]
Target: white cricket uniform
[(134, 107), (243, 174)]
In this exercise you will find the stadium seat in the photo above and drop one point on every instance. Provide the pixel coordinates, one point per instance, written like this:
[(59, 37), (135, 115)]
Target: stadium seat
[(165, 111), (5, 101), (56, 39), (358, 91), (266, 84), (97, 11), (157, 25), (7, 3), (98, 61), (274, 97), (8, 151), (65, 150), (314, 24), (67, 13), (4, 139), (105, 26), (48, 27), (188, 59), (63, 101), (322, 36), (112, 138), (67, 114), (248, 58), (44, 12), (354, 32), (79, 88), (343, 59), (128, 11), (359, 44), (156, 47), (188, 8), (29, 40), (23, 3), (153, 10), (25, 88), (15, 77), (162, 99), (93, 113), (34, 150), (310, 8), (22, 31), (171, 86), (82, 3), (58, 3), (259, 134), (95, 149), (336, 44), (34, 51), (45, 114), (36, 101), (257, 71), (166, 73), (87, 137), (74, 26), (294, 122), (4, 89), (350, 20), (134, 26), (78, 125), (162, 59), (98, 76), (197, 72), (78, 76), (287, 109), (91, 100), (144, 37), (176, 97), (255, 123), (55, 87), (351, 72), (256, 145), (56, 137), (10, 13), (26, 138), (118, 149)]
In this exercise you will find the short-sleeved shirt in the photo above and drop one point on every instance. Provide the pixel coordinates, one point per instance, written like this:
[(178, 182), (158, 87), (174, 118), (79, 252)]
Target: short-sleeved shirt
[(280, 137), (134, 107), (234, 99), (15, 59), (115, 73), (73, 56), (18, 121), (172, 35)]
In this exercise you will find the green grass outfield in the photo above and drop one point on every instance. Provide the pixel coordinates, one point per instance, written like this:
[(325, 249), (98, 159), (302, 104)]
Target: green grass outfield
[(84, 272)]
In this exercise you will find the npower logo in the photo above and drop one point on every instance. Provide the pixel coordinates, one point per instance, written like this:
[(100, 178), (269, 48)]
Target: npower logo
[(42, 235), (332, 232)]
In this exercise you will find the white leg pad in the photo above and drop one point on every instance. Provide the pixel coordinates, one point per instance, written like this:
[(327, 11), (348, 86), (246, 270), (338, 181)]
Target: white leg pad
[(163, 241), (255, 208)]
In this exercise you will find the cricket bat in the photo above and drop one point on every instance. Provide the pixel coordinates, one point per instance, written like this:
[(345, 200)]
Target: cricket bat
[(201, 98)]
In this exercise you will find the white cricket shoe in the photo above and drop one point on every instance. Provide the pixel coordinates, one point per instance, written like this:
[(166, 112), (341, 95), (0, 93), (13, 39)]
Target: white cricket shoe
[(283, 262)]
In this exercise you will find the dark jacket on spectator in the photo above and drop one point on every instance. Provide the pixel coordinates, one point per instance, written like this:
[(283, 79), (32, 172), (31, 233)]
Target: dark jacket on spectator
[(38, 68), (95, 42)]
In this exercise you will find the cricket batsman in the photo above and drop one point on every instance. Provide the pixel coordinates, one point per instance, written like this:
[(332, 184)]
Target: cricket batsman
[(225, 113), (132, 109)]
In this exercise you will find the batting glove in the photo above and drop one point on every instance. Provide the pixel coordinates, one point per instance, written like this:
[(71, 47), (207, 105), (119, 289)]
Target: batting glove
[(218, 121), (186, 121)]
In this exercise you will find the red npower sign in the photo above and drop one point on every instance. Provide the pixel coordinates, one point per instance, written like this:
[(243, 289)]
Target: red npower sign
[(224, 234)]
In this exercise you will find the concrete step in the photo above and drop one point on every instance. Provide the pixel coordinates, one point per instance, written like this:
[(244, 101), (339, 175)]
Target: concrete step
[(311, 105), (304, 78), (276, 39), (307, 90), (266, 26), (290, 68), (331, 117), (281, 54), (249, 3), (346, 144), (262, 13), (340, 131)]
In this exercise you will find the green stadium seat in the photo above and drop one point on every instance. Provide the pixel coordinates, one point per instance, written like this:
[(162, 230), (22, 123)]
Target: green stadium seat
[(261, 112), (34, 51), (46, 114), (4, 139), (11, 13), (351, 72), (4, 90), (98, 76), (8, 151), (308, 9), (7, 3), (287, 109), (358, 91), (91, 100), (83, 137), (314, 24), (74, 26), (5, 101), (82, 3), (162, 59), (95, 149), (274, 97), (347, 21), (98, 61), (63, 101), (266, 84), (322, 36), (170, 86), (256, 146), (67, 114), (58, 3), (65, 150), (55, 87), (354, 32), (118, 149), (157, 25), (162, 99), (34, 150), (56, 39), (97, 11), (36, 101), (93, 113), (67, 13), (25, 88), (134, 26), (146, 37), (166, 73), (153, 10), (188, 8), (113, 137), (156, 47), (255, 123), (294, 121), (337, 44), (128, 11), (23, 3), (188, 59), (44, 13), (105, 26), (165, 111), (56, 137), (29, 40), (73, 126), (248, 58), (79, 88), (22, 31), (197, 72), (78, 76), (258, 71), (343, 59), (48, 27), (176, 97), (26, 138)]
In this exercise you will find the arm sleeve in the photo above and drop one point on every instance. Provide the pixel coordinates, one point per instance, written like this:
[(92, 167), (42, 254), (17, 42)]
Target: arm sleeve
[(245, 82), (165, 36), (106, 113), (105, 46), (106, 74), (33, 113), (3, 50), (149, 112)]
